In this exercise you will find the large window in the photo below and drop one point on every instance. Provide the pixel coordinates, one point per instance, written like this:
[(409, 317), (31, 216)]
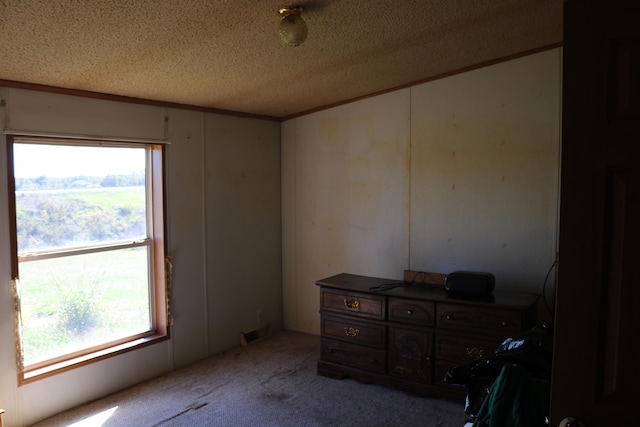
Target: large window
[(87, 241)]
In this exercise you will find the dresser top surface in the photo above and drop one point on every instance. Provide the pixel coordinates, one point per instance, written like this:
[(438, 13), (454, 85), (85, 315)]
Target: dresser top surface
[(398, 288)]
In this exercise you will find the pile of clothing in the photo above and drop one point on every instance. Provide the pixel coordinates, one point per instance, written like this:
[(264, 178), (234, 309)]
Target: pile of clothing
[(512, 386)]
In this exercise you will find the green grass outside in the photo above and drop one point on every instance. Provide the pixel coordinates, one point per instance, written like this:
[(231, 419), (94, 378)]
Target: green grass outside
[(128, 197), (53, 219), (125, 197), (78, 301)]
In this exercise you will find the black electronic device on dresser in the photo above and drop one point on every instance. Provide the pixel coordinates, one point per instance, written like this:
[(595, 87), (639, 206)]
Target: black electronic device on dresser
[(398, 334)]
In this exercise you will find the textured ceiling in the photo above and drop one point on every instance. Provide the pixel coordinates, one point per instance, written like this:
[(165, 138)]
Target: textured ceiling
[(226, 54)]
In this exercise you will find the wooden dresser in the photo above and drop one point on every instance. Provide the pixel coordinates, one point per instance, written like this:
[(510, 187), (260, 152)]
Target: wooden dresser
[(409, 336)]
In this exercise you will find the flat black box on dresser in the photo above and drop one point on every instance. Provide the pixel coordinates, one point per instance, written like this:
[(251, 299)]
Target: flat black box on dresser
[(408, 336)]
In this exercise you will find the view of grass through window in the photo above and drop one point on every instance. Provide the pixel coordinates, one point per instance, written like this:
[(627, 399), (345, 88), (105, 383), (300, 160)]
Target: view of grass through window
[(72, 303), (83, 280)]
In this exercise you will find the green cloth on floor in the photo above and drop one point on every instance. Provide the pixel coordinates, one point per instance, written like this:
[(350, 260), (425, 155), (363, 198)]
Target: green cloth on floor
[(516, 399)]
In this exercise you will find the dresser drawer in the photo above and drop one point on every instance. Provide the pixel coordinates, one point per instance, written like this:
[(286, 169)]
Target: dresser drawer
[(502, 323), (353, 355), (463, 349), (410, 353), (411, 311), (410, 336), (354, 303), (354, 332)]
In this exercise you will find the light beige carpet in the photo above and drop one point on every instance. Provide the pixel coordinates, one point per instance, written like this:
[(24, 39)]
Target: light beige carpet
[(271, 382)]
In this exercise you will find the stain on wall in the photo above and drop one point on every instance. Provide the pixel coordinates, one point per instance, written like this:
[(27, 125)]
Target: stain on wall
[(458, 173)]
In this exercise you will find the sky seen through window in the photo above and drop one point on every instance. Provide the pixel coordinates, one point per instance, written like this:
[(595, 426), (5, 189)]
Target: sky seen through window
[(35, 160)]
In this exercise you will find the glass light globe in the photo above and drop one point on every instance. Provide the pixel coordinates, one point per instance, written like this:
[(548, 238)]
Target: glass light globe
[(292, 30)]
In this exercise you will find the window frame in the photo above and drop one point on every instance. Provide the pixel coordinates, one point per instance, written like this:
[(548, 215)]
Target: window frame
[(159, 267)]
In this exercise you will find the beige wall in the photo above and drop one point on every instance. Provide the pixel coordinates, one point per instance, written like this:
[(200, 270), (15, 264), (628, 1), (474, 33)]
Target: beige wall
[(459, 173), (223, 211), (484, 171), (345, 195)]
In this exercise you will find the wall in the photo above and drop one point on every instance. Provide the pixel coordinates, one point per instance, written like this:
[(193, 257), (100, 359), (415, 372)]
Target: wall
[(460, 173), (226, 264), (345, 189)]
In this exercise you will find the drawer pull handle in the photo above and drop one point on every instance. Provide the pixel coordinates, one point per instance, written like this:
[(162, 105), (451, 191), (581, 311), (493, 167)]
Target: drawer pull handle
[(504, 323), (351, 303), (351, 331), (448, 317), (475, 352), (409, 312)]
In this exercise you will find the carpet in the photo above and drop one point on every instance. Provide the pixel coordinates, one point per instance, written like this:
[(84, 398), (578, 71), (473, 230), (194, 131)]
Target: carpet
[(271, 382)]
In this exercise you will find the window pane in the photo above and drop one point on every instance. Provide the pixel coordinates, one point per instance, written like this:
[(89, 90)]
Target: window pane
[(75, 302), (78, 195)]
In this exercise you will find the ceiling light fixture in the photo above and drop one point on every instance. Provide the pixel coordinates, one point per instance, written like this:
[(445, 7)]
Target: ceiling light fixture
[(292, 28)]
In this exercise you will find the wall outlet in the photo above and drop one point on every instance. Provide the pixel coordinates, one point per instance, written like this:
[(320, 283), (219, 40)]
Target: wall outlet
[(260, 315)]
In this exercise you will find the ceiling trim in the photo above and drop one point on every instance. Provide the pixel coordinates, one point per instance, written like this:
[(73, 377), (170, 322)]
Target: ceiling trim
[(429, 79), (119, 98), (131, 100)]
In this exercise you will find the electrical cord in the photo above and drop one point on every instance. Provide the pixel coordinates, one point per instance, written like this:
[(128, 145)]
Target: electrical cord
[(544, 288), (387, 286)]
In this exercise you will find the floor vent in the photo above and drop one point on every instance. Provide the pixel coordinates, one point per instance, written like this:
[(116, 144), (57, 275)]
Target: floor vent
[(254, 335)]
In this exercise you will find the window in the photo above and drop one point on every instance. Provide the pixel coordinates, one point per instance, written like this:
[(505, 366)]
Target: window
[(88, 256)]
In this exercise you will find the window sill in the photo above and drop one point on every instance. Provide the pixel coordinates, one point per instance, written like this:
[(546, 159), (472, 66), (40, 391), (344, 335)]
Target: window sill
[(30, 376)]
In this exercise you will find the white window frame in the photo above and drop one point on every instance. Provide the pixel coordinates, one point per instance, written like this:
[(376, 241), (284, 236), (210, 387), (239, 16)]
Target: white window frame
[(158, 261)]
